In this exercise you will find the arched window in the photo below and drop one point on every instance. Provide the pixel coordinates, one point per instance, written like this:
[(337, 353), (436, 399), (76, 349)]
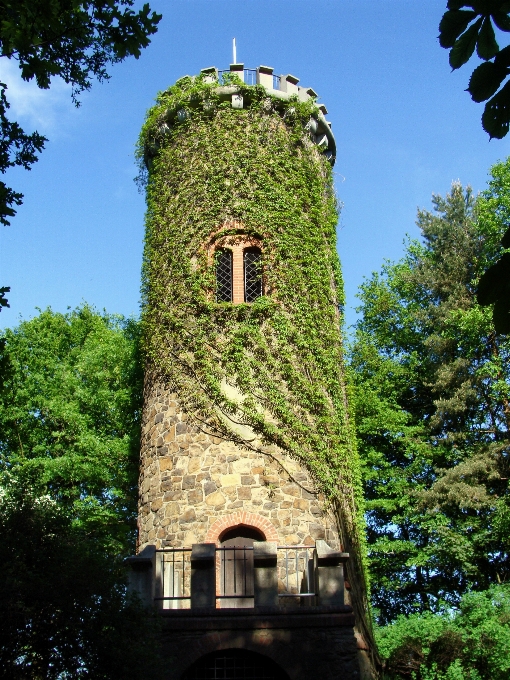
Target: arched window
[(223, 260), (252, 274)]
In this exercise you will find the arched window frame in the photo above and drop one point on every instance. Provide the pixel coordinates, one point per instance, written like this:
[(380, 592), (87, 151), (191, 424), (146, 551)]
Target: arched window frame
[(238, 243)]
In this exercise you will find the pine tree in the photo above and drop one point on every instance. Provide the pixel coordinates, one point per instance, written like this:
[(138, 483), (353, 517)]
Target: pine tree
[(433, 414)]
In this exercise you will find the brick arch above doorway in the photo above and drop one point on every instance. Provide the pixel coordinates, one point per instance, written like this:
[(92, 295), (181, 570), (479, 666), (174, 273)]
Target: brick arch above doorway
[(250, 519)]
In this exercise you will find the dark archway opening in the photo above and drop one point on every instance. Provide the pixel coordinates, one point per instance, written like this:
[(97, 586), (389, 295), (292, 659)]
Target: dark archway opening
[(235, 664), (236, 566)]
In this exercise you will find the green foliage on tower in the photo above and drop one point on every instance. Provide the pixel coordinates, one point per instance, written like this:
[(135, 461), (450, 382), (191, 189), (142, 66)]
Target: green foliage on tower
[(211, 168)]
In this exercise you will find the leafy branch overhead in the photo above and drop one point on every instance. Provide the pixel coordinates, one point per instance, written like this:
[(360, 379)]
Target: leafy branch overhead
[(74, 41), (467, 26), (494, 288)]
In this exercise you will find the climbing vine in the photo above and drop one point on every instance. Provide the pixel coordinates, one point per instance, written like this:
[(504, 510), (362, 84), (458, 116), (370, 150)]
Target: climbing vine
[(214, 171)]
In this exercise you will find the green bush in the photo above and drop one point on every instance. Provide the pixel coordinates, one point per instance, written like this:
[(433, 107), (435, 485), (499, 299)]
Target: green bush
[(471, 643)]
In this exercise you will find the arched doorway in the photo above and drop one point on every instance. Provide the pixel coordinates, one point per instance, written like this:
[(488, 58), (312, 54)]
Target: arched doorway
[(236, 566), (235, 664)]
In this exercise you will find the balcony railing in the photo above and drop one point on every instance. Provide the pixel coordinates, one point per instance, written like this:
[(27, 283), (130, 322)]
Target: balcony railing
[(250, 77), (239, 576)]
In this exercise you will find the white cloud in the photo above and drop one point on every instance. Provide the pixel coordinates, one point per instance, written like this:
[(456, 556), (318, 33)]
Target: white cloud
[(35, 108)]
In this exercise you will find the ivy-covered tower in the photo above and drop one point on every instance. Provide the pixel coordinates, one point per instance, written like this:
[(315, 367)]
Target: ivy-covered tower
[(249, 472)]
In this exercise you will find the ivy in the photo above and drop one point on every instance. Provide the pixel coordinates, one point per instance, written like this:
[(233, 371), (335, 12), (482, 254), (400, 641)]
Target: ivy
[(212, 168)]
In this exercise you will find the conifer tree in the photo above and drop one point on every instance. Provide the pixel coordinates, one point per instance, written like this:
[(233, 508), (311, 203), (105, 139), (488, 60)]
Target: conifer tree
[(433, 413)]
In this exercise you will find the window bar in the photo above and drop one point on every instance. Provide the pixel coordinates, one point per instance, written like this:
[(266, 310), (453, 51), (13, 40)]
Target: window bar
[(224, 278), (287, 567), (235, 579), (245, 570), (297, 572), (224, 555)]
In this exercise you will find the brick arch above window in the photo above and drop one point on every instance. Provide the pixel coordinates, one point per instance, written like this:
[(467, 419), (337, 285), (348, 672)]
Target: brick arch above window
[(241, 518)]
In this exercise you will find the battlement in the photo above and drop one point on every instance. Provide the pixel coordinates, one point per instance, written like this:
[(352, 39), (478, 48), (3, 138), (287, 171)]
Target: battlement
[(263, 75), (278, 87)]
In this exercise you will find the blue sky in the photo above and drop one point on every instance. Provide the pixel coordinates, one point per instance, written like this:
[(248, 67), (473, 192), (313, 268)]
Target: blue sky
[(405, 128)]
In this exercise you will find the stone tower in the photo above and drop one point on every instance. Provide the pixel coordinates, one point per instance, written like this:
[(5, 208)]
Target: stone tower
[(249, 474)]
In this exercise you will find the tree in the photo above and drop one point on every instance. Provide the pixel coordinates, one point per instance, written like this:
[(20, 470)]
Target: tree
[(70, 399), (494, 285), (433, 416), (470, 643), (65, 609), (75, 41), (463, 30)]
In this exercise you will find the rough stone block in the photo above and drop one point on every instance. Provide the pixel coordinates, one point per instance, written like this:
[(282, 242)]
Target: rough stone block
[(210, 487), (194, 464), (188, 482), (215, 499), (188, 516), (244, 493), (165, 464), (230, 480)]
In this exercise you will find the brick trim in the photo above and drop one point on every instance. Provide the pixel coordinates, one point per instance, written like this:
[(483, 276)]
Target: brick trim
[(241, 518)]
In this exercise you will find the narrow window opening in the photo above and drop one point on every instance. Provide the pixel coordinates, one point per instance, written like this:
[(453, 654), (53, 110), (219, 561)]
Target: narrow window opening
[(223, 259), (252, 274)]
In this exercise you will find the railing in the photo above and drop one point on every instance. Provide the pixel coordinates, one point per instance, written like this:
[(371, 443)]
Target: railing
[(235, 568), (250, 77), (262, 575), (296, 571), (175, 577)]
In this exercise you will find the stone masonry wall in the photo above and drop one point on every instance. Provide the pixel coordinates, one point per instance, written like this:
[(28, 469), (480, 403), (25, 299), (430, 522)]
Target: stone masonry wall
[(304, 646), (190, 480)]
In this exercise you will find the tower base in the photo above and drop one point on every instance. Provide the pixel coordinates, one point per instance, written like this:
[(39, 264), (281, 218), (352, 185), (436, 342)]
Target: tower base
[(293, 643)]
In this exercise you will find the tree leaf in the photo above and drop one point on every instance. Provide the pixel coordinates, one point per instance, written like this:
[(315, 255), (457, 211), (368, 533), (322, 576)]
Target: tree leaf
[(502, 20), (505, 241), (485, 81), (496, 115), (453, 23), (501, 316), (487, 46), (465, 46), (503, 57), (3, 300), (494, 282)]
